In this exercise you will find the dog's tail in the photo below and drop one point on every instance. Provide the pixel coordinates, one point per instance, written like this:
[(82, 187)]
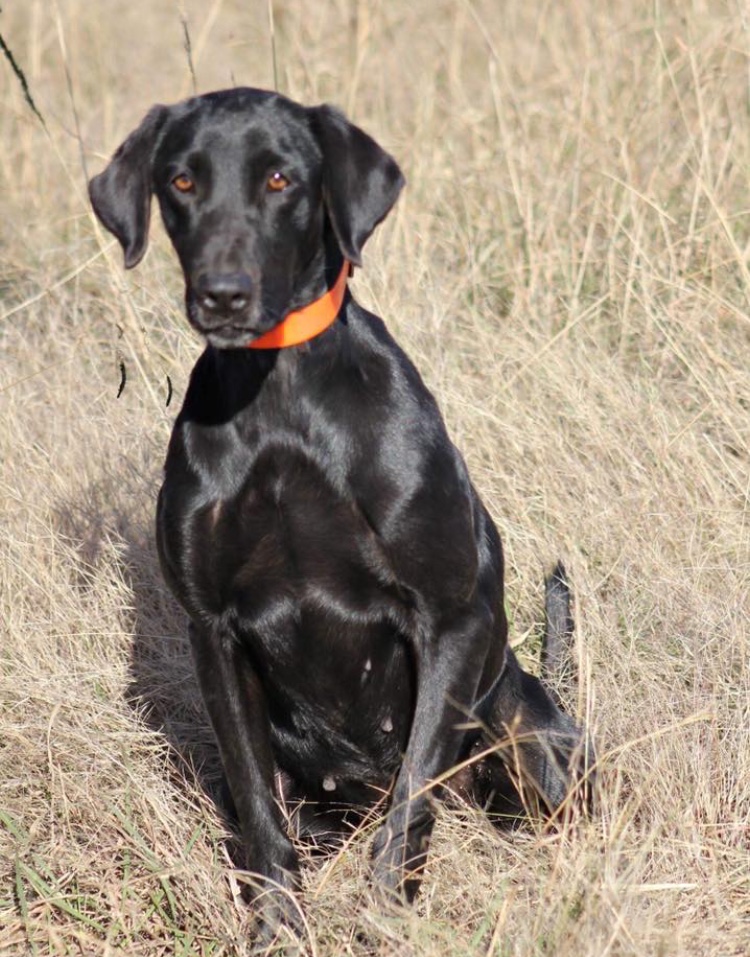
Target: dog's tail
[(559, 668), (557, 658)]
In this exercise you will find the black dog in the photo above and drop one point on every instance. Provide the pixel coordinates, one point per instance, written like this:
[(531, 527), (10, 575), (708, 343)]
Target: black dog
[(343, 579)]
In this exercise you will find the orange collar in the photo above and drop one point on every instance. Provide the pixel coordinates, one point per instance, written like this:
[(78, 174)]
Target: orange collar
[(306, 323)]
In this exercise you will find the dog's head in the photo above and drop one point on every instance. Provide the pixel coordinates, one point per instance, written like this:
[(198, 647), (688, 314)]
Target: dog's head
[(247, 182)]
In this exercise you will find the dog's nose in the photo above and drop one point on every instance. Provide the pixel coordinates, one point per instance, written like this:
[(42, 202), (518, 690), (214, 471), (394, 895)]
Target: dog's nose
[(224, 294)]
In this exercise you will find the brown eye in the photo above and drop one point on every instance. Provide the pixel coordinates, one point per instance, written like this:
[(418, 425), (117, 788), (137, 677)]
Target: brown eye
[(277, 182), (183, 183)]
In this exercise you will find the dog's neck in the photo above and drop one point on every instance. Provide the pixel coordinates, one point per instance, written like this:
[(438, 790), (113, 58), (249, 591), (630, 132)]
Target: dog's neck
[(316, 300), (302, 325), (320, 273), (234, 377)]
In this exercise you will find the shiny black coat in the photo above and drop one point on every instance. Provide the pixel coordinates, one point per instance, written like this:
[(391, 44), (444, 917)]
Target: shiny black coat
[(343, 579)]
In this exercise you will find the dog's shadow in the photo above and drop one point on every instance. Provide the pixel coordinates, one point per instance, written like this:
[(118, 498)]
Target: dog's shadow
[(110, 523)]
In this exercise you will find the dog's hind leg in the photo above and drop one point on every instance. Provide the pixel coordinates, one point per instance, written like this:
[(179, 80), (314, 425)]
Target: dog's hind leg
[(541, 765)]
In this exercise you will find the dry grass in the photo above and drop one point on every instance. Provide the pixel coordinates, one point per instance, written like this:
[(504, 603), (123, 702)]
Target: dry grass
[(569, 268)]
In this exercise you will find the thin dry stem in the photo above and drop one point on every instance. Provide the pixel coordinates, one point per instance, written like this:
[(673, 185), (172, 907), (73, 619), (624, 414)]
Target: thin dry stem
[(568, 267)]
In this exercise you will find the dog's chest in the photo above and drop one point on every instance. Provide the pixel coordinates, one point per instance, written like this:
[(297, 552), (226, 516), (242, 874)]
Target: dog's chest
[(291, 543), (293, 562)]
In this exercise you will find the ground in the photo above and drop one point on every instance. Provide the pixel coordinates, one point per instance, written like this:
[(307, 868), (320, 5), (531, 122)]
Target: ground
[(568, 266)]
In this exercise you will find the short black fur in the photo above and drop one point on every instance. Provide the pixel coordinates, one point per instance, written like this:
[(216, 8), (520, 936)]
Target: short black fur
[(343, 579)]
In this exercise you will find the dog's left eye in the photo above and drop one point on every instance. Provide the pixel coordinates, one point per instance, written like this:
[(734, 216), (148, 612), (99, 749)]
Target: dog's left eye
[(277, 182), (183, 183)]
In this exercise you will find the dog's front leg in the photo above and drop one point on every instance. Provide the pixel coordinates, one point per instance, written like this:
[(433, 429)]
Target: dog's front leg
[(236, 706), (450, 663)]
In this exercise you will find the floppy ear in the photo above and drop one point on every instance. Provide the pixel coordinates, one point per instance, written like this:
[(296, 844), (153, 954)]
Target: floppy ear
[(361, 182), (121, 194)]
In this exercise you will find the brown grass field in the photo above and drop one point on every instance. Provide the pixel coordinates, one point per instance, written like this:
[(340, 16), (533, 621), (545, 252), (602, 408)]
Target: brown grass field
[(569, 268)]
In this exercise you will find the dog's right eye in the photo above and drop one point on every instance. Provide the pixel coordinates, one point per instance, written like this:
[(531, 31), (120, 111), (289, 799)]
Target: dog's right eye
[(183, 183), (277, 182)]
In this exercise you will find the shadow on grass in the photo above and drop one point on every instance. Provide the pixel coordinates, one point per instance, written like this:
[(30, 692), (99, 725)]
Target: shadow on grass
[(108, 530)]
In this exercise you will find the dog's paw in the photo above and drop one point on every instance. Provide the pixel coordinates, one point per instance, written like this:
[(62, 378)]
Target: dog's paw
[(279, 921), (397, 864)]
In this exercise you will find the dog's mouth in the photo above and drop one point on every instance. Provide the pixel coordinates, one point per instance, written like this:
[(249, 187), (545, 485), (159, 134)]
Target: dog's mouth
[(229, 337), (235, 329), (231, 333)]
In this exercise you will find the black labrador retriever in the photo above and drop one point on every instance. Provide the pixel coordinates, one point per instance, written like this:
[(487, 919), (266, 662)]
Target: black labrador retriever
[(343, 579)]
